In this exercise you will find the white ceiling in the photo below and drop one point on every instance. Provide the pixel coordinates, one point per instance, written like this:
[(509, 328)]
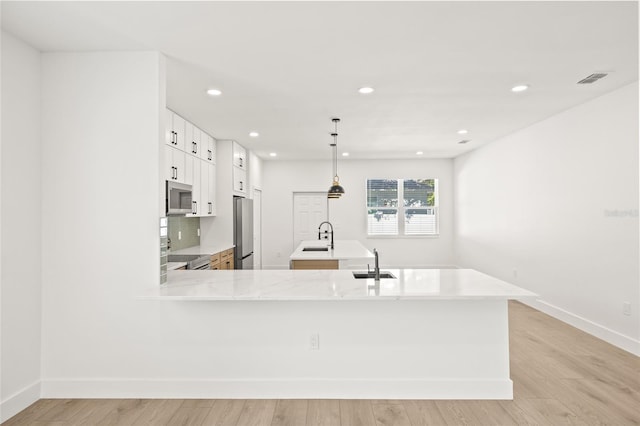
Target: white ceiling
[(286, 68)]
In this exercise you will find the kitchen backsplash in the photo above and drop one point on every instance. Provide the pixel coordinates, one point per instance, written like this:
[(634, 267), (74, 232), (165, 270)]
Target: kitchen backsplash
[(188, 227)]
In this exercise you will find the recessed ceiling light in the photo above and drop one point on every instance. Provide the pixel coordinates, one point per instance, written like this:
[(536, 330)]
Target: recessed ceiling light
[(463, 132), (214, 92), (254, 134), (345, 154), (519, 88), (419, 153), (366, 90), (272, 154)]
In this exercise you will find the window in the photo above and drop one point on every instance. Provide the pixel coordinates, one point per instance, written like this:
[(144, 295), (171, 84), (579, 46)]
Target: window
[(416, 214)]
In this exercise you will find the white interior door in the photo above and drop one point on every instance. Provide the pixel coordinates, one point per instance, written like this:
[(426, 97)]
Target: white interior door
[(309, 210), (257, 229)]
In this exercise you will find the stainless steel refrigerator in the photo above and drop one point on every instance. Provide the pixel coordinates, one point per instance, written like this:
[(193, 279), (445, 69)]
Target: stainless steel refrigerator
[(243, 232)]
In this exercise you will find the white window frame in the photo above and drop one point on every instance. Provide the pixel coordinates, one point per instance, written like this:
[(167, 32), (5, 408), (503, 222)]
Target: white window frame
[(401, 210)]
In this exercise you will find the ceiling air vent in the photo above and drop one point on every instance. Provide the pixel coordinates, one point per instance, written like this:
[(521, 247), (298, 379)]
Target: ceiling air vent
[(465, 141), (592, 78)]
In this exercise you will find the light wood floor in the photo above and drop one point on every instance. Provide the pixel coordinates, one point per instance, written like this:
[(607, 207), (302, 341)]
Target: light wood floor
[(561, 376)]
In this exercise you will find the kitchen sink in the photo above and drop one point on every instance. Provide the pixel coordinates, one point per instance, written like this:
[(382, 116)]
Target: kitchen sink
[(315, 249), (383, 274)]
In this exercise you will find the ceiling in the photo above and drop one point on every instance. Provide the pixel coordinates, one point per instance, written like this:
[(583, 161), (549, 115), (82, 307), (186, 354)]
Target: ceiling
[(286, 68)]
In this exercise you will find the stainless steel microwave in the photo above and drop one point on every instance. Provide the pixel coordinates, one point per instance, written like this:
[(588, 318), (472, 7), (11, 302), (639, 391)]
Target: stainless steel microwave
[(179, 198)]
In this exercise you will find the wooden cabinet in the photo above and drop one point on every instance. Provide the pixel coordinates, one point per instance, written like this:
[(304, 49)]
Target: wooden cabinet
[(226, 259), (222, 260), (315, 264)]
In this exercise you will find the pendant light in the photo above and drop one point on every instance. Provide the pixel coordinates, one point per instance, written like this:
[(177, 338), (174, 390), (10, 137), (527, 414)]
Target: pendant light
[(336, 190)]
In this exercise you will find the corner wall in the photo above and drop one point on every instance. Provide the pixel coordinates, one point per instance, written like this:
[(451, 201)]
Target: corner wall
[(553, 208), (21, 190)]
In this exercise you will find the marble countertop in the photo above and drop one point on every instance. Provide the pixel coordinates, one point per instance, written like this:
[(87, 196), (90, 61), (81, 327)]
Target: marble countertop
[(332, 285), (203, 249), (343, 250)]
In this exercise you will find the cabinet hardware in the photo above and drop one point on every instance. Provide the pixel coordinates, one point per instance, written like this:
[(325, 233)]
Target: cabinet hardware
[(194, 207), (210, 155), (210, 207), (240, 161), (241, 186), (194, 147), (174, 173), (174, 138)]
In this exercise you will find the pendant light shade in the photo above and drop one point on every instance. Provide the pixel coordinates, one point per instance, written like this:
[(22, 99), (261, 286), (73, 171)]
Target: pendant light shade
[(336, 189)]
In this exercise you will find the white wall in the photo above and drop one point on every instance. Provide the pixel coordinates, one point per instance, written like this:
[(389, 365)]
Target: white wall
[(348, 214), (20, 227), (538, 203), (101, 144)]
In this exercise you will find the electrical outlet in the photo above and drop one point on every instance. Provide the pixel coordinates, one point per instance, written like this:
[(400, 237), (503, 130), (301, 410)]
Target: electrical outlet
[(314, 342), (198, 232), (626, 308), (179, 235), (278, 254)]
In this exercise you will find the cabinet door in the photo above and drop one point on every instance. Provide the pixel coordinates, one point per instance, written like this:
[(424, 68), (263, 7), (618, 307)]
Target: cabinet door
[(239, 156), (239, 180), (188, 170), (212, 189), (196, 196), (170, 137), (174, 164), (208, 151), (179, 128), (208, 189), (192, 137)]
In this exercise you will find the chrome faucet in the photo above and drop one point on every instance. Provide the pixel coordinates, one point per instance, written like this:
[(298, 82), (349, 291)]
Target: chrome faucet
[(377, 266), (331, 226)]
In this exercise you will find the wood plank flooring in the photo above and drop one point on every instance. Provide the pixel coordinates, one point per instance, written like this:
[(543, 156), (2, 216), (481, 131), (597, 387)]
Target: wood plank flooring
[(561, 376)]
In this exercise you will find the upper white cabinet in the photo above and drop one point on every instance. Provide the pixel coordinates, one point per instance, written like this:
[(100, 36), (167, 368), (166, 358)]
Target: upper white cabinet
[(208, 151), (239, 156), (193, 140), (175, 130), (190, 158), (239, 169), (174, 168)]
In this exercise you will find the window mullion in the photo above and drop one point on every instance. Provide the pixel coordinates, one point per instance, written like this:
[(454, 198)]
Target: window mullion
[(400, 206)]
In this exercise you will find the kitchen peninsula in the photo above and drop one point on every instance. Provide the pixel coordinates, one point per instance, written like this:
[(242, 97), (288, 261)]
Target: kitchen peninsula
[(318, 254), (426, 334)]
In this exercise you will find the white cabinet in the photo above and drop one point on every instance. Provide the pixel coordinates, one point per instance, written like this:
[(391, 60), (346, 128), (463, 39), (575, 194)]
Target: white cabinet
[(174, 168), (208, 188), (239, 169), (240, 180), (175, 130), (208, 151), (192, 138), (239, 156), (190, 156), (192, 177)]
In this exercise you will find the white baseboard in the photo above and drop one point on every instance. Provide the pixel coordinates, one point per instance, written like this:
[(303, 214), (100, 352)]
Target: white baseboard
[(610, 336), (278, 389), (20, 400)]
